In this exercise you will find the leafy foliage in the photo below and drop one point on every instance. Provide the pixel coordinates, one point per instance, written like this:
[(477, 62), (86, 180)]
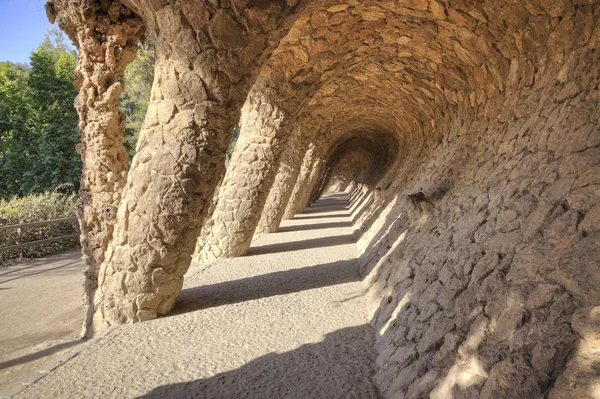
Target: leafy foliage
[(38, 123), (138, 80), (37, 208)]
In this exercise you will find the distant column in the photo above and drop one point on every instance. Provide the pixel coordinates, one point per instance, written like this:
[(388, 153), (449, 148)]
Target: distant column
[(282, 188), (264, 133)]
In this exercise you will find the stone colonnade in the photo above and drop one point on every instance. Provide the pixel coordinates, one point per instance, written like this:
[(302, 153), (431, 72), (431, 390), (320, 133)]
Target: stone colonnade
[(475, 127), (107, 39), (251, 173), (202, 79), (282, 188)]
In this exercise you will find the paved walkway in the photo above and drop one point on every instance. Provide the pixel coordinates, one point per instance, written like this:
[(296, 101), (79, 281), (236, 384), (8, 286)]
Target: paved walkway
[(40, 313), (286, 321)]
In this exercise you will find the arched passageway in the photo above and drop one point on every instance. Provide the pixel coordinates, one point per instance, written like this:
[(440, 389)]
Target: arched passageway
[(466, 132), (256, 326), (360, 159)]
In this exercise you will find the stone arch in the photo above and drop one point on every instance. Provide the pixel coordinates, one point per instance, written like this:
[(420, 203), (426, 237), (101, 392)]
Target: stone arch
[(360, 157), (480, 97)]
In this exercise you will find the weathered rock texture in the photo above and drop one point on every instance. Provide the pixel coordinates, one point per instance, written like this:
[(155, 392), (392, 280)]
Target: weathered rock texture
[(480, 255), (302, 183), (106, 36), (468, 132), (361, 159), (208, 58), (281, 190), (312, 180), (250, 174)]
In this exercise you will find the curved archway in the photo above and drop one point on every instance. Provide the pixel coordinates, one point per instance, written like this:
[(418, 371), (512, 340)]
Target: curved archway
[(360, 157)]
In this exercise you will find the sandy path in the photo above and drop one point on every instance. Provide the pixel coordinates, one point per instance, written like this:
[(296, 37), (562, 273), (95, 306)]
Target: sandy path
[(286, 321), (40, 313)]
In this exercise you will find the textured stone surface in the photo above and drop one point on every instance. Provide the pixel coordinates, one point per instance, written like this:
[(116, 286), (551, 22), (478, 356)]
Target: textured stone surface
[(302, 183), (500, 263), (251, 172), (282, 188), (467, 133), (201, 82), (106, 36), (315, 175), (581, 376)]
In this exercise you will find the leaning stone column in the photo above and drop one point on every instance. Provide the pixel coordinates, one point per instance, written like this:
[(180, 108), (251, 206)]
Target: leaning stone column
[(320, 186), (106, 37), (326, 182), (249, 178), (301, 181), (281, 191), (200, 85), (180, 158), (307, 192)]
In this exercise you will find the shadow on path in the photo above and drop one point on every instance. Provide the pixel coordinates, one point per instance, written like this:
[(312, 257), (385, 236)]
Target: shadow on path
[(19, 266), (38, 272), (266, 285), (300, 245), (300, 216), (327, 207), (315, 226), (340, 366), (39, 354)]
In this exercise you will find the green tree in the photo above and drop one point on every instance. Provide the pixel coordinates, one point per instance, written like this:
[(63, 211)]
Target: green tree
[(138, 80), (38, 123), (54, 119), (17, 140)]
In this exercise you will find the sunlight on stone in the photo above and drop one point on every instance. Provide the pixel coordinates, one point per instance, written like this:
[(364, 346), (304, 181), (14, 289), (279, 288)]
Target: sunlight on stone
[(403, 302), (384, 258), (376, 228), (373, 285), (462, 374), (427, 171), (589, 354), (478, 333), (595, 390), (361, 204)]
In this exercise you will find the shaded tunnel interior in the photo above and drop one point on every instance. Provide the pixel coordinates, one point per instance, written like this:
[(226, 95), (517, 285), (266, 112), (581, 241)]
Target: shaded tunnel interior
[(362, 159)]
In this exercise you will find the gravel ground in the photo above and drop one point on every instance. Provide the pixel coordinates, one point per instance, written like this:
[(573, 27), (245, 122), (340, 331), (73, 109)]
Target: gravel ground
[(286, 321), (40, 313)]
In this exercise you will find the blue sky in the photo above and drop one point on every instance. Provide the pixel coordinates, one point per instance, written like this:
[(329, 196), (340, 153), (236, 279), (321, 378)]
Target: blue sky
[(23, 24)]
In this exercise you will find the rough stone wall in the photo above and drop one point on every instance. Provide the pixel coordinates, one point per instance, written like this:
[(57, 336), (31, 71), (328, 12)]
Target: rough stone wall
[(478, 205), (350, 168), (365, 160), (482, 259)]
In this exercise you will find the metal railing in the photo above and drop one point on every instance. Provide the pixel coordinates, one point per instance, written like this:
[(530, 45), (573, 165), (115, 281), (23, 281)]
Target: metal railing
[(19, 227)]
